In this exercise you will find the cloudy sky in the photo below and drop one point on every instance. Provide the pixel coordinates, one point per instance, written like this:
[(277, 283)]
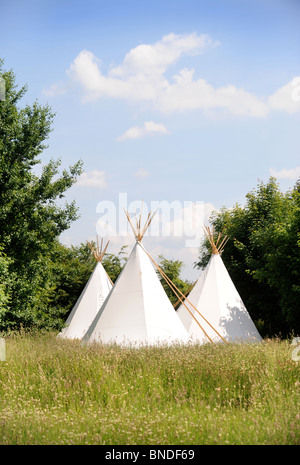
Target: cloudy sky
[(185, 104)]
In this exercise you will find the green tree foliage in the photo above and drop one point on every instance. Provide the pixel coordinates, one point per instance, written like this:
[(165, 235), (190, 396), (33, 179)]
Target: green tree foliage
[(172, 268), (263, 255), (113, 264), (68, 270), (30, 217)]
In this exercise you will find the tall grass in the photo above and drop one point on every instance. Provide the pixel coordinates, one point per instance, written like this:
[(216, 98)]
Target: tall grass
[(55, 391)]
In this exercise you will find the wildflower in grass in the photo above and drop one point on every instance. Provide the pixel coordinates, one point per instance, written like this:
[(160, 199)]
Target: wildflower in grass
[(128, 397)]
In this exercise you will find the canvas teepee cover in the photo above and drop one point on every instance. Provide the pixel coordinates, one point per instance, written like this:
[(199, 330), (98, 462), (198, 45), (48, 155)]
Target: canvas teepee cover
[(217, 299), (137, 310), (90, 300)]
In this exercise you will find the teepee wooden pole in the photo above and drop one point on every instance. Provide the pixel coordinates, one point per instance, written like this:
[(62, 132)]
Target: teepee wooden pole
[(102, 253), (223, 243), (185, 294), (97, 251), (129, 221), (173, 287), (214, 329), (181, 299), (138, 231), (168, 279), (216, 248)]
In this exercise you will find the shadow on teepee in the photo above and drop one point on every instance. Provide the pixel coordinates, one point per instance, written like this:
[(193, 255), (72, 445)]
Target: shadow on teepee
[(216, 299), (239, 324)]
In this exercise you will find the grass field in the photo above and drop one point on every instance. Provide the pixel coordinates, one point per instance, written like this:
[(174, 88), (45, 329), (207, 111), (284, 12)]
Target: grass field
[(59, 392)]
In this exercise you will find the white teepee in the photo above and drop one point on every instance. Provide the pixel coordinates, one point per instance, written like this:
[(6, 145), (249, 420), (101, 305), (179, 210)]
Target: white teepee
[(90, 300), (216, 298), (137, 311)]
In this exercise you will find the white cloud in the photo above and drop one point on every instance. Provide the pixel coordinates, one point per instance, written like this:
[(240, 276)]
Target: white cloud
[(149, 128), (147, 59), (287, 98), (94, 178), (293, 173), (55, 90), (186, 93), (141, 78), (141, 173)]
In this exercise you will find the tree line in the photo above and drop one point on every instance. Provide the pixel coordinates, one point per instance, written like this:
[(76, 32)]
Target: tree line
[(41, 279), (262, 255)]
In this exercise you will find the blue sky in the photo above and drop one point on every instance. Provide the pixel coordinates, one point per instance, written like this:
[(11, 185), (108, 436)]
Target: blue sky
[(175, 101)]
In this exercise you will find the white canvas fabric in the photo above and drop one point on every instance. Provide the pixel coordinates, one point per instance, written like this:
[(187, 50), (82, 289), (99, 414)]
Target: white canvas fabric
[(137, 311), (88, 304), (217, 299)]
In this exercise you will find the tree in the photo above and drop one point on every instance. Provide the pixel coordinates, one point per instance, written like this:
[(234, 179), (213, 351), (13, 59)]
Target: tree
[(68, 270), (172, 268), (30, 218), (281, 269), (114, 264), (262, 255)]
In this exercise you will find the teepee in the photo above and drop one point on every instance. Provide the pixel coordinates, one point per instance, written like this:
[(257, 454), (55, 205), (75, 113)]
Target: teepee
[(137, 311), (91, 298), (215, 299)]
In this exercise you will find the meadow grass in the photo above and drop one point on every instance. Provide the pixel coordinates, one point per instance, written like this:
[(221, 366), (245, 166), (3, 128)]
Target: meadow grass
[(55, 391)]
